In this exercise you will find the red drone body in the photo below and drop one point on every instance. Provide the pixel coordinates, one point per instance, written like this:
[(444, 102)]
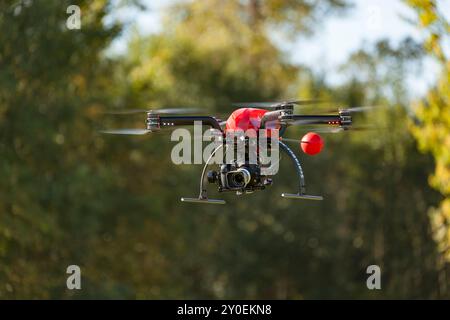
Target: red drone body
[(250, 119)]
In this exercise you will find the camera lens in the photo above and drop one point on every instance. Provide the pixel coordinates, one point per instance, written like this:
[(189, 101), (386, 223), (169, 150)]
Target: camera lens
[(240, 178)]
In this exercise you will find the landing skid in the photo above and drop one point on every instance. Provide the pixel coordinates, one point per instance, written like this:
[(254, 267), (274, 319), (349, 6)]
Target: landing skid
[(200, 200), (203, 196), (300, 196), (301, 193)]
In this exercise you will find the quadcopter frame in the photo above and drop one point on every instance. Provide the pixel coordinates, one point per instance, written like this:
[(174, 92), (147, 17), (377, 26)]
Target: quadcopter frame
[(284, 114), (281, 115)]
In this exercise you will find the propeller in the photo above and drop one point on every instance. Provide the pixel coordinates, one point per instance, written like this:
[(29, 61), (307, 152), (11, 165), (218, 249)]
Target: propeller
[(276, 104), (353, 109), (126, 131), (157, 111), (360, 109), (334, 111)]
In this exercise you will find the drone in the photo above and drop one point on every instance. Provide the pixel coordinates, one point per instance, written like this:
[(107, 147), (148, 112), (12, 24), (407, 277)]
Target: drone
[(242, 176)]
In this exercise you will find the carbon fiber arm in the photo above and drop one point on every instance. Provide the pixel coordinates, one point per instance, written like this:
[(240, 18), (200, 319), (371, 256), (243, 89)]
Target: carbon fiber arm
[(156, 122)]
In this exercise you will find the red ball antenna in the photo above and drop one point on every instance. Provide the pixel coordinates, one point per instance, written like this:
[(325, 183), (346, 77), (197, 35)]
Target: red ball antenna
[(311, 143)]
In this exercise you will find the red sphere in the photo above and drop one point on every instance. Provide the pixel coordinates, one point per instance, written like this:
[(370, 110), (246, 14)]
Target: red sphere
[(311, 143)]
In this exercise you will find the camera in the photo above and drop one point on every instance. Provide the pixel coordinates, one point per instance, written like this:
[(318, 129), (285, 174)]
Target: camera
[(244, 178)]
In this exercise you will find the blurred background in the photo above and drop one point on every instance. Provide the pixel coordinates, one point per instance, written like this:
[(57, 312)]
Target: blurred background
[(110, 204)]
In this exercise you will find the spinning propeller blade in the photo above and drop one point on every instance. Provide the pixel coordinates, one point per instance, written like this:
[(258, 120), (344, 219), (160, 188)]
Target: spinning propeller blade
[(334, 112), (360, 109), (158, 111), (353, 109), (276, 104)]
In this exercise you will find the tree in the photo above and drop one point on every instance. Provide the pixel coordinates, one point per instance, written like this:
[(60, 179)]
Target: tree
[(432, 128), (52, 82)]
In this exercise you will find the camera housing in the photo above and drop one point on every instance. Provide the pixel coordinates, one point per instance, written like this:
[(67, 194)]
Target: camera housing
[(245, 178)]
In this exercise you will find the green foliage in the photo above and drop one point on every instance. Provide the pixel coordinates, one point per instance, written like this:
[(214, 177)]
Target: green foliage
[(432, 130), (51, 172), (110, 204)]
